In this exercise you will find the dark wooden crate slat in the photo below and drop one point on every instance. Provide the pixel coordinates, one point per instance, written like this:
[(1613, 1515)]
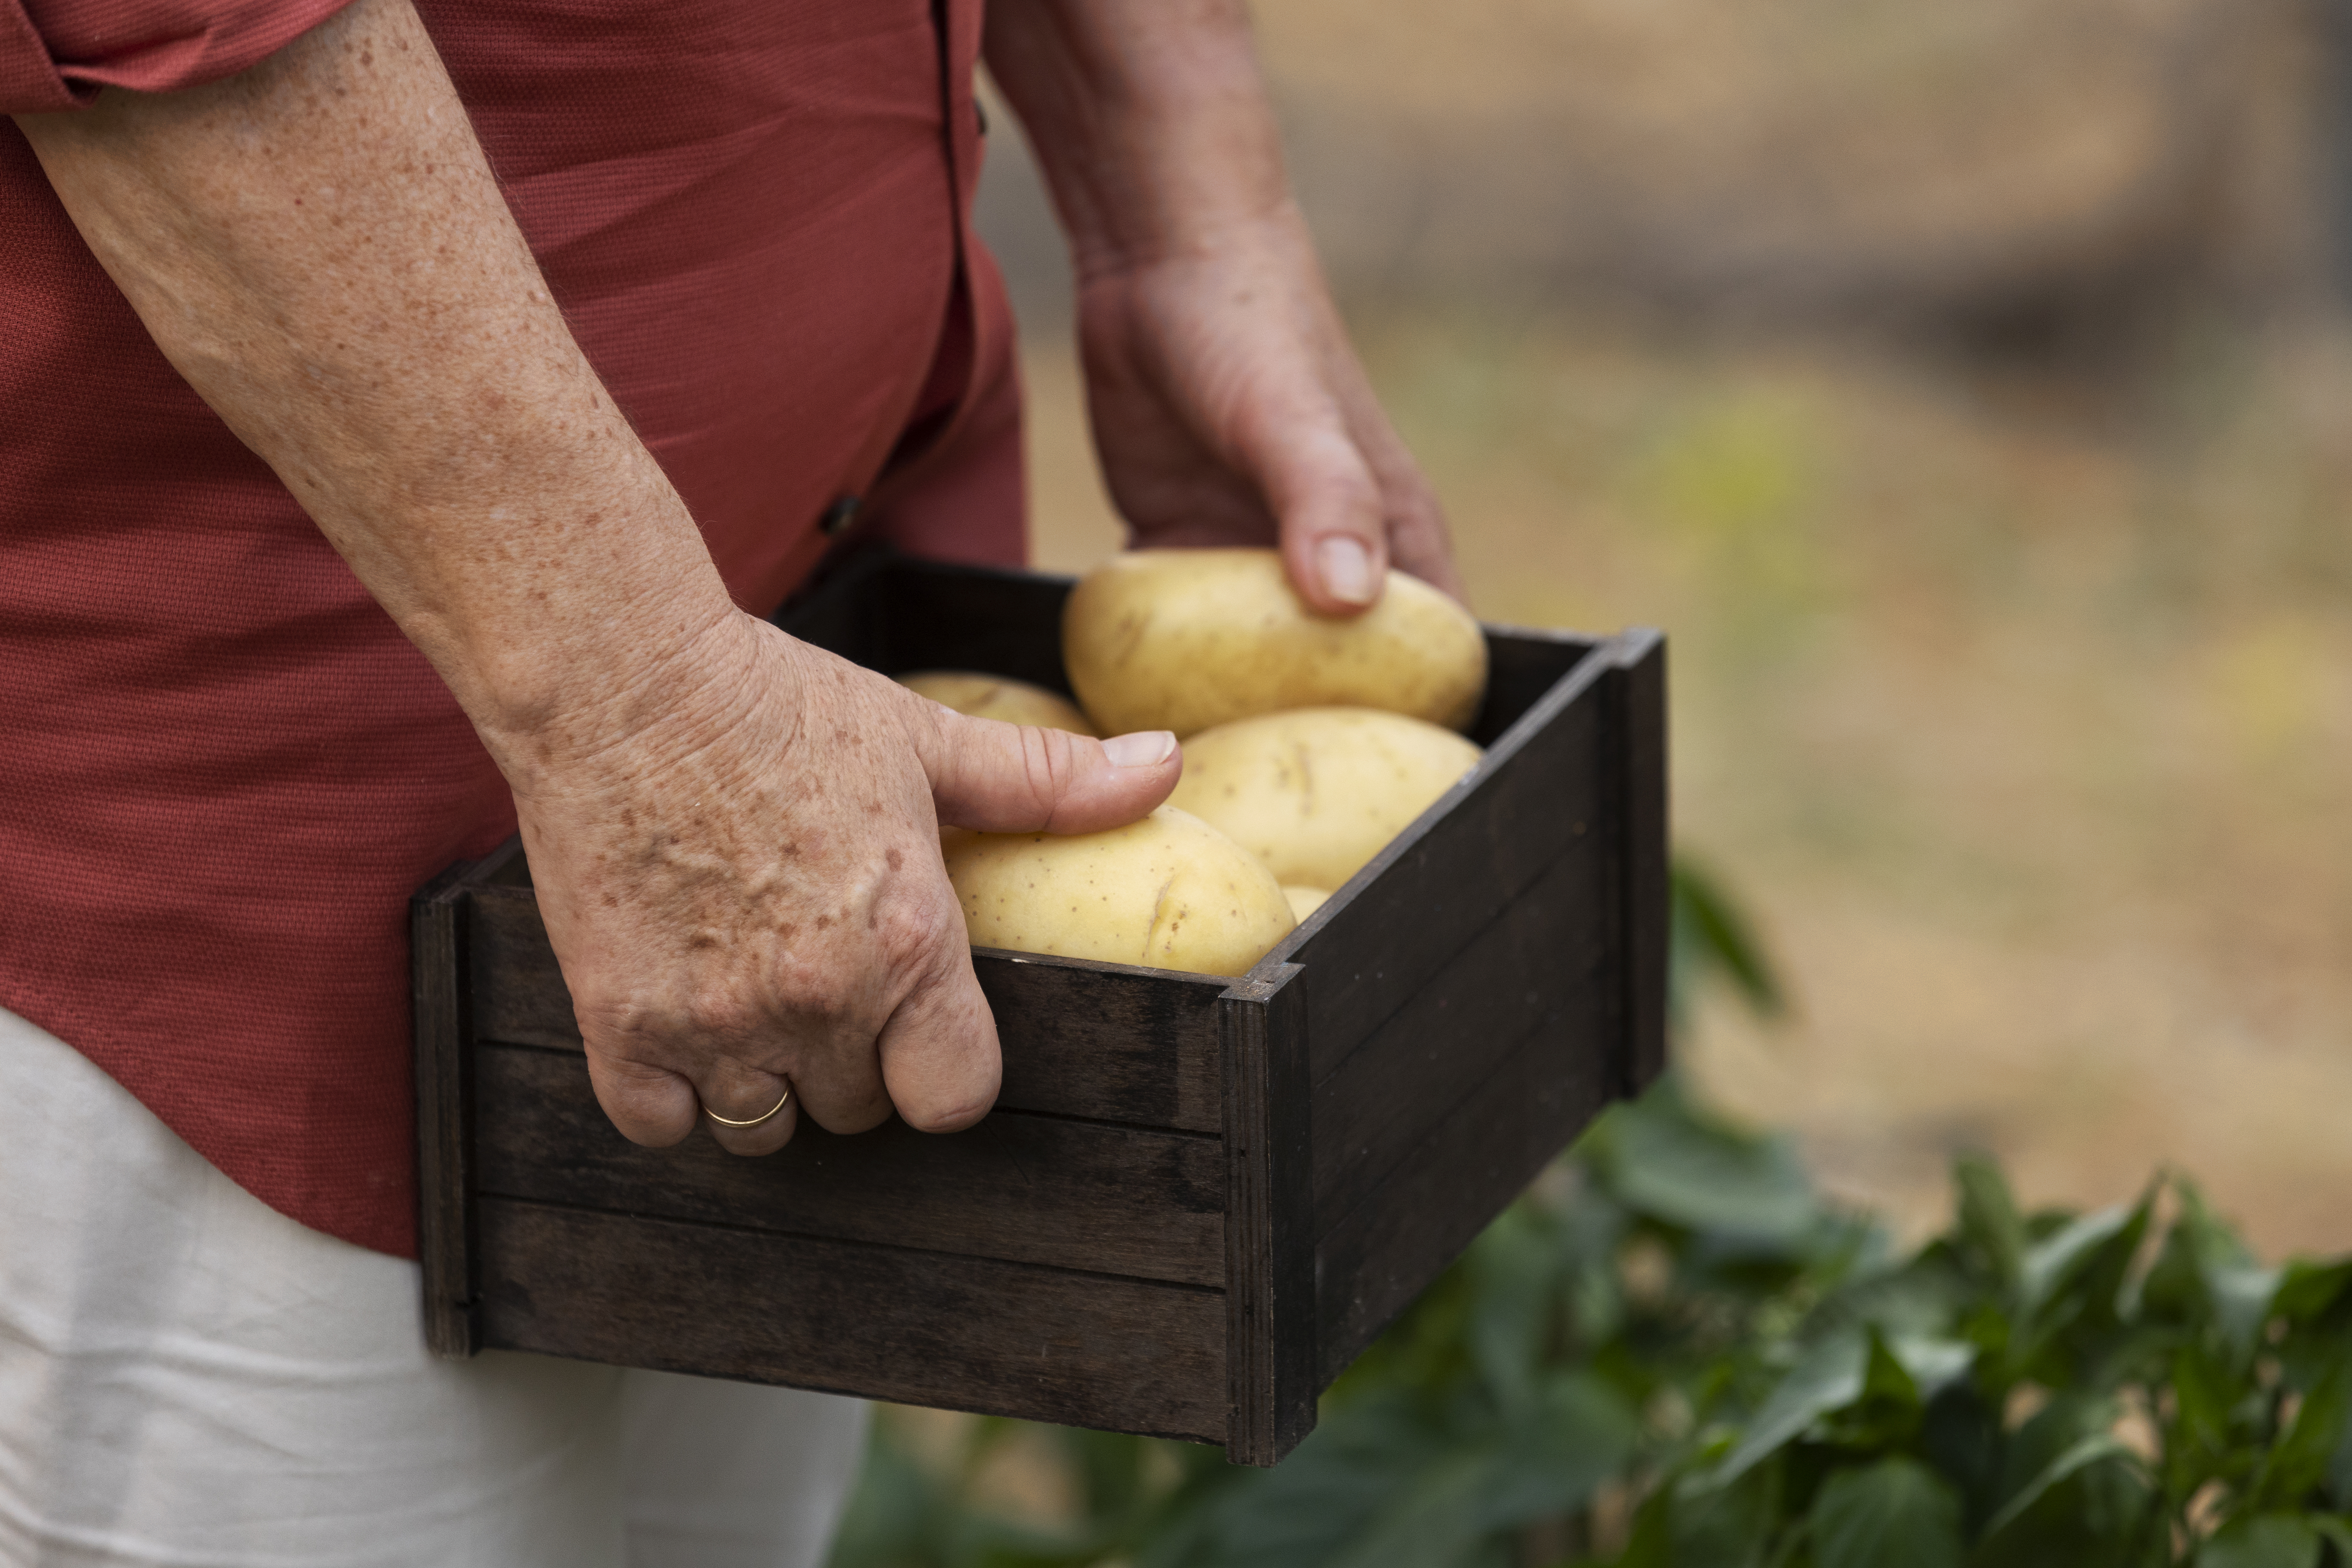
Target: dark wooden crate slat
[(1641, 748), (519, 991), (1522, 665), (442, 1024), (920, 1328), (1374, 1260), (1080, 1039), (1107, 1042), (1546, 949), (1428, 893), (1270, 1267), (1031, 1189)]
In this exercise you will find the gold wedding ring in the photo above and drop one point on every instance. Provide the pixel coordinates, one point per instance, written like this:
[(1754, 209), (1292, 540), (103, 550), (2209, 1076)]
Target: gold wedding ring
[(763, 1116)]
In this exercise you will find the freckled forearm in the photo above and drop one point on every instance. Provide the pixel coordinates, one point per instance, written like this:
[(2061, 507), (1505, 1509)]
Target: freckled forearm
[(320, 248)]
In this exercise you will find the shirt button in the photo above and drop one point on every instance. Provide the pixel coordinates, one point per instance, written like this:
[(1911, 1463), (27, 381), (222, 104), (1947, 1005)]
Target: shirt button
[(839, 515)]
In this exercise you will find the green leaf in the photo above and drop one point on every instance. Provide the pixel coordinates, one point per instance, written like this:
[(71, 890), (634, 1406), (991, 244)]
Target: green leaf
[(1888, 1411), (1989, 1219), (1665, 1160), (2261, 1540), (1896, 1512), (1713, 938), (2298, 1464), (1723, 1526), (2096, 1448), (2072, 1259), (2308, 1290), (1514, 1269), (2203, 1394), (2337, 1531), (1829, 1378), (2204, 1281), (2071, 1290)]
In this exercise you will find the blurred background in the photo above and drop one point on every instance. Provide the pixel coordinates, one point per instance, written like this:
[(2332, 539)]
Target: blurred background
[(1968, 390)]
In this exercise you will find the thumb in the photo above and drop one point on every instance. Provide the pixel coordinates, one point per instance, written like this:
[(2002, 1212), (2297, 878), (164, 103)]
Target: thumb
[(1019, 778)]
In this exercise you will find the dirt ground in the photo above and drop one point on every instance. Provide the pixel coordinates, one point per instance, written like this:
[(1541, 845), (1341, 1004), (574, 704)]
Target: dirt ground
[(2019, 710)]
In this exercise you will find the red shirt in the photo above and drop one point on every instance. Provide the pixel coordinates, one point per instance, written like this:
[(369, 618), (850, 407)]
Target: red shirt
[(221, 768)]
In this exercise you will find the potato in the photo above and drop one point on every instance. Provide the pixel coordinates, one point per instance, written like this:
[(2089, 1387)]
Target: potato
[(979, 696), (1305, 901), (1316, 792), (1184, 640), (1168, 892)]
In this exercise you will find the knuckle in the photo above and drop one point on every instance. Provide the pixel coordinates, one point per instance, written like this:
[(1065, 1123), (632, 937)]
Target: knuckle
[(909, 933)]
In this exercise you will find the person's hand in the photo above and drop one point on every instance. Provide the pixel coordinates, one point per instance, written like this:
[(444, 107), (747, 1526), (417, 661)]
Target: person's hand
[(1229, 408), (748, 893)]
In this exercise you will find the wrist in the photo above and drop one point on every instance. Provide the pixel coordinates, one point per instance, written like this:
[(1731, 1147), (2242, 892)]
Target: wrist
[(666, 665), (1151, 121)]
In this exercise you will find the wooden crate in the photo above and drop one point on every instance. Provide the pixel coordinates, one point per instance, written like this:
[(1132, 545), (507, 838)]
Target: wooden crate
[(1197, 1199)]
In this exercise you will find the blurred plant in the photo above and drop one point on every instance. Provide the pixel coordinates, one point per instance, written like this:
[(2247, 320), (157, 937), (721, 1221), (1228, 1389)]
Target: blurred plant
[(1672, 1351), (1713, 943)]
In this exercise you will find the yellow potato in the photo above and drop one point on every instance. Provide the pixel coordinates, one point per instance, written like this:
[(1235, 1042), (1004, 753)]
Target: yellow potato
[(979, 696), (1184, 640), (1305, 901), (1316, 792), (1167, 892)]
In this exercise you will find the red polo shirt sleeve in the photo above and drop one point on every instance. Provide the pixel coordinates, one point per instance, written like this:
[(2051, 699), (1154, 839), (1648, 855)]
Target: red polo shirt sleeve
[(57, 54)]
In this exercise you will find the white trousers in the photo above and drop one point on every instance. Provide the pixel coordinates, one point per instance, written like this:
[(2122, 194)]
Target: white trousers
[(189, 1378)]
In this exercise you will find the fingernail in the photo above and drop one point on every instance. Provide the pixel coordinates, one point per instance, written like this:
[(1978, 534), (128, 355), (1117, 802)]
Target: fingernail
[(1144, 749), (1346, 568)]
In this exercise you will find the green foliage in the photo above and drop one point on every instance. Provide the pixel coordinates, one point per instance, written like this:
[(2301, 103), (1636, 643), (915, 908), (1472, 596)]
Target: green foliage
[(1673, 1354)]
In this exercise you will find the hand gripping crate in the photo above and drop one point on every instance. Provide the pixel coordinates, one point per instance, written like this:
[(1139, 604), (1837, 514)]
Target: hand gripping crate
[(1197, 1199)]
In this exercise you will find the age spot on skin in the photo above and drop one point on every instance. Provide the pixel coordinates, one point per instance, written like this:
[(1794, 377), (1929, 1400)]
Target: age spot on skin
[(894, 859)]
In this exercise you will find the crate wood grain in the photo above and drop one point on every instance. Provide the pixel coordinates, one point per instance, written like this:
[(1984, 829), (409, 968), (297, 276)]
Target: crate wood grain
[(1197, 1200)]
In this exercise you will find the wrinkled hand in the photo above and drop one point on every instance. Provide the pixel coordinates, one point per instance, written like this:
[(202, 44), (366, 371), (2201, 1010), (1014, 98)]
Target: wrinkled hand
[(1229, 408), (747, 892)]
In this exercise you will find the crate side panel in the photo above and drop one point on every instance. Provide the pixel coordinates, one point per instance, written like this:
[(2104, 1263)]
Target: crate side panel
[(919, 1328), (1270, 1234), (1521, 666), (1377, 1257), (519, 991), (1031, 1189), (1409, 922), (898, 615), (842, 611), (1542, 964), (445, 1111), (974, 617), (1117, 1045), (1109, 1044), (1642, 782)]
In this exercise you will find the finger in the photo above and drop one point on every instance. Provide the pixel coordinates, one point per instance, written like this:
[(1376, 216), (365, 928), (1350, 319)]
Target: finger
[(1017, 778), (743, 1093), (1327, 504), (650, 1105), (1420, 541), (939, 1053)]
